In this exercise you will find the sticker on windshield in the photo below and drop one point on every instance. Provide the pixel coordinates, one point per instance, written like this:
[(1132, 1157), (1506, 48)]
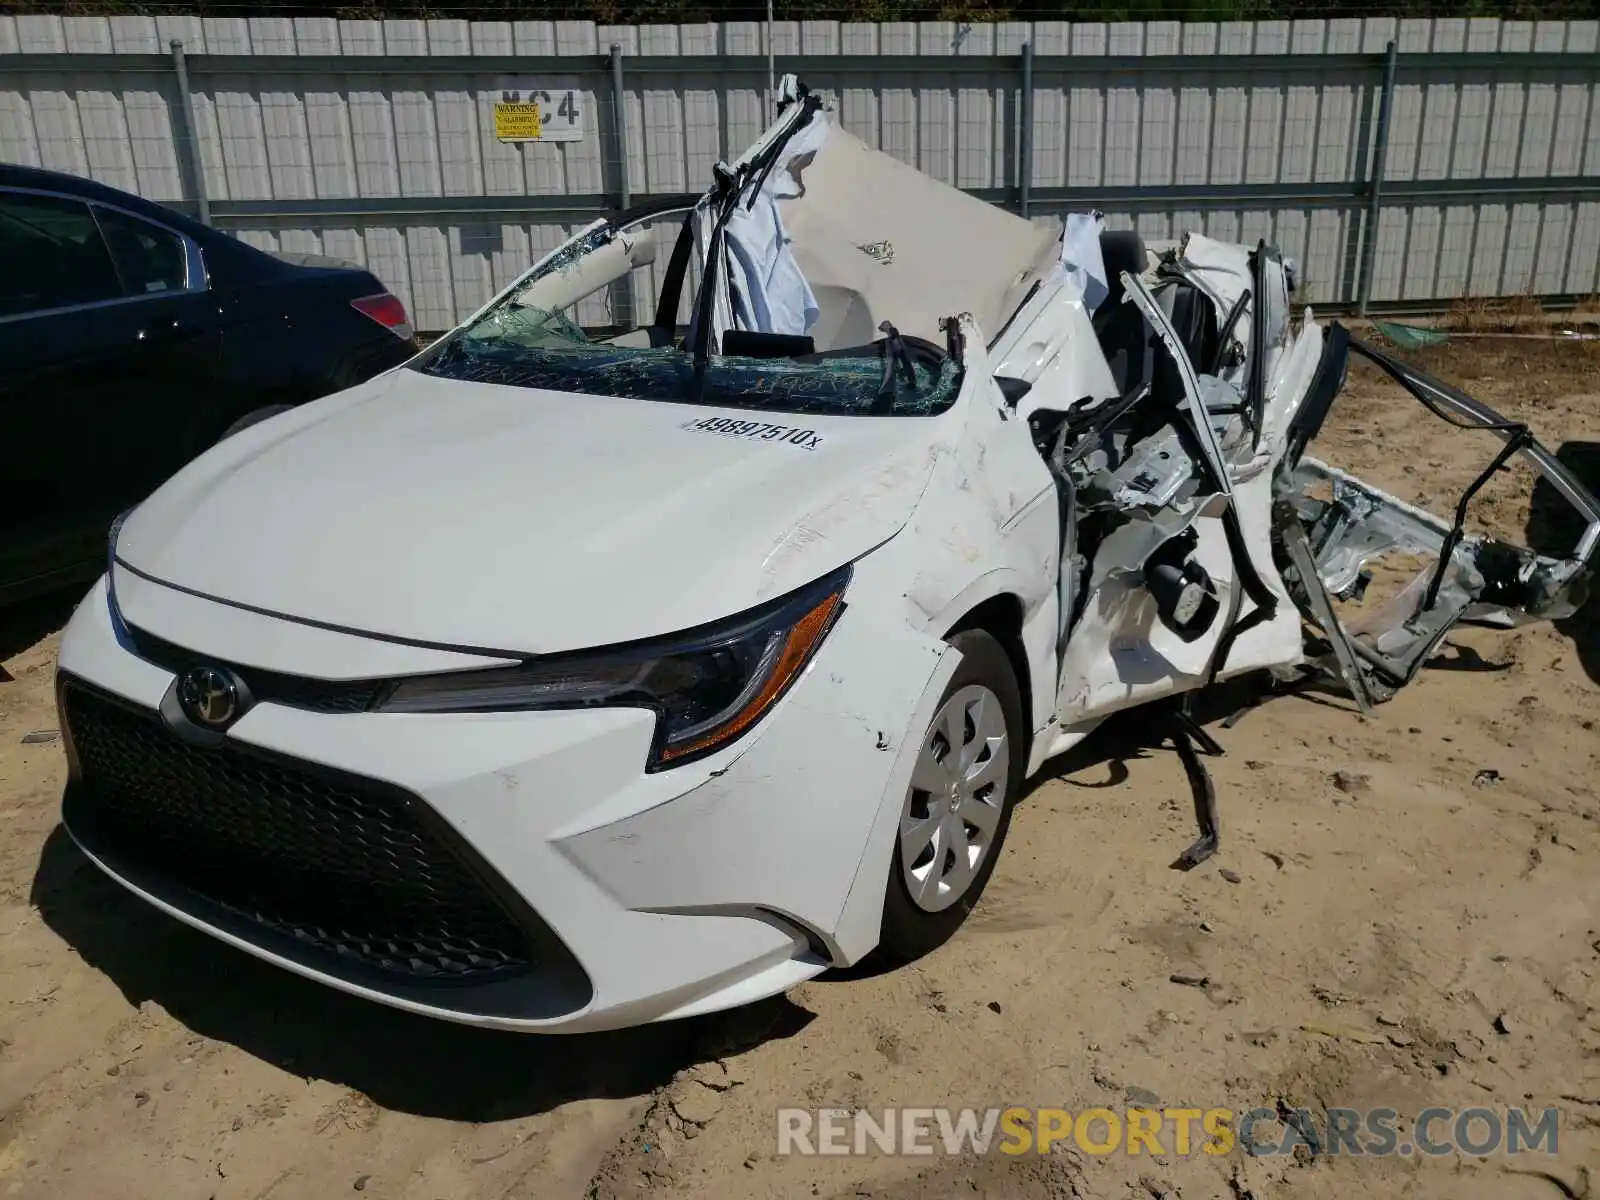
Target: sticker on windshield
[(760, 431)]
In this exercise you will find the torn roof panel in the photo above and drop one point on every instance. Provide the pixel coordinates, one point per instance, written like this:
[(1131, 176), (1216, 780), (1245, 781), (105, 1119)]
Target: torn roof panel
[(879, 240)]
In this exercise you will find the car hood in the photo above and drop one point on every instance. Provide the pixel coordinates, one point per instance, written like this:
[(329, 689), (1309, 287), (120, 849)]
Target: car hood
[(499, 517)]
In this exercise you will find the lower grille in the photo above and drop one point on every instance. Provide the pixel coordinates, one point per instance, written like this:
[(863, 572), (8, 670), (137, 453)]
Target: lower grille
[(348, 866)]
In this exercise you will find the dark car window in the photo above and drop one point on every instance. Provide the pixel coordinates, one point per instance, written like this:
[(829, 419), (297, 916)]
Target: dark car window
[(53, 255), (149, 258)]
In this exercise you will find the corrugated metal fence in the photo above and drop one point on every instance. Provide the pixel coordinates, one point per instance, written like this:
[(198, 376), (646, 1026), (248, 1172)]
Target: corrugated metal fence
[(374, 140)]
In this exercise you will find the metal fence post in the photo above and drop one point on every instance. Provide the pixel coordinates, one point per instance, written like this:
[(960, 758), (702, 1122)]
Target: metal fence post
[(619, 106), (189, 139), (1380, 155), (1025, 134), (772, 72), (622, 296)]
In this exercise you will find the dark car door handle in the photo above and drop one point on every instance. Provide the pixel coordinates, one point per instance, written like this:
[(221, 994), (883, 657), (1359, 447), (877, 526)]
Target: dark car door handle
[(167, 332)]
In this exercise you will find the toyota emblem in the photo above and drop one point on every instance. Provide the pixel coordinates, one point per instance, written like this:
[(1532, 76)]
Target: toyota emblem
[(209, 696)]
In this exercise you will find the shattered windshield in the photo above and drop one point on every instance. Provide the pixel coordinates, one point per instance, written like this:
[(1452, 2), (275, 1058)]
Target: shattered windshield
[(521, 344)]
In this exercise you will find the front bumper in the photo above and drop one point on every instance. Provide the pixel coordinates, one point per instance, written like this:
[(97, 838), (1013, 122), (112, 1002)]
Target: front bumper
[(642, 896)]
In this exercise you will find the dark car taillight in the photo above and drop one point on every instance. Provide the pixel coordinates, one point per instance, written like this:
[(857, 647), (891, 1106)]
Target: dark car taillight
[(387, 311)]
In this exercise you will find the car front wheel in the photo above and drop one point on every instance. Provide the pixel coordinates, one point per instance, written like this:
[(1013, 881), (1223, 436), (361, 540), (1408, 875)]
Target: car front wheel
[(958, 807)]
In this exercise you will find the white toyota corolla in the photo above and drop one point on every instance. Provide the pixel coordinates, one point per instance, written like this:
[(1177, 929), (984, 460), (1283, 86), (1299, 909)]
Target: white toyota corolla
[(561, 681)]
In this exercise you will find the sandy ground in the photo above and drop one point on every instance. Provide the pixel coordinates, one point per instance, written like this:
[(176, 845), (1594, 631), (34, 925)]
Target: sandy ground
[(1397, 917)]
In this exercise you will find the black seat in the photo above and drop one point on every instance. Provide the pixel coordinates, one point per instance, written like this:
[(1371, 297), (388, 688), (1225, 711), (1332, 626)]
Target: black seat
[(1122, 250), (1124, 337), (1194, 317), (1121, 329), (1124, 333)]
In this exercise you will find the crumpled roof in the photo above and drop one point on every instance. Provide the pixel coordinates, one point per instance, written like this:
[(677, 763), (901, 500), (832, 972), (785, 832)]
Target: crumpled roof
[(879, 240)]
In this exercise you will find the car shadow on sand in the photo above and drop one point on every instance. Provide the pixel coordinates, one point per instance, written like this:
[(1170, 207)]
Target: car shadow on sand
[(403, 1062), (28, 622), (1554, 528)]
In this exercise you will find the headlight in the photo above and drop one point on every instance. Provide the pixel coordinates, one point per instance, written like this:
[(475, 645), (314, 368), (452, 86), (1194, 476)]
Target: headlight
[(707, 686)]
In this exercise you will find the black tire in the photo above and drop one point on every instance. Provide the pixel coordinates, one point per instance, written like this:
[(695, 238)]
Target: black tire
[(910, 931), (254, 417)]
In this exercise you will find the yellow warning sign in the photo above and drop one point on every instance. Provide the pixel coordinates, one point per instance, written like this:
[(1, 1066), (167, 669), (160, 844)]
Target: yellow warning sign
[(541, 114), (547, 114), (517, 122)]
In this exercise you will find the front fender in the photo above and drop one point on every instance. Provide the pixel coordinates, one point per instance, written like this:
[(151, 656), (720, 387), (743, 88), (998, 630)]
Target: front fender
[(794, 827), (856, 933)]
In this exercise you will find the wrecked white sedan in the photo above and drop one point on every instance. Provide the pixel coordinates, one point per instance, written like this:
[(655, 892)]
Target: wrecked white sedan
[(557, 682)]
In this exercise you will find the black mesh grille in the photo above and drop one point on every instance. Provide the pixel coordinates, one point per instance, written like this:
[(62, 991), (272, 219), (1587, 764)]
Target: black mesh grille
[(336, 862), (317, 695)]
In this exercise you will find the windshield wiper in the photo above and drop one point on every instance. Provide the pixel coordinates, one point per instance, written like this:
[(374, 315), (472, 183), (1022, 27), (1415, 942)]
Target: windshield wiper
[(894, 354), (728, 198), (730, 185)]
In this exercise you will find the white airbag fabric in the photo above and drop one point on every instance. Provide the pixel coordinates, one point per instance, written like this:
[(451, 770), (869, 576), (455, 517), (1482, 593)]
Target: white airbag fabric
[(1082, 266), (769, 291)]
